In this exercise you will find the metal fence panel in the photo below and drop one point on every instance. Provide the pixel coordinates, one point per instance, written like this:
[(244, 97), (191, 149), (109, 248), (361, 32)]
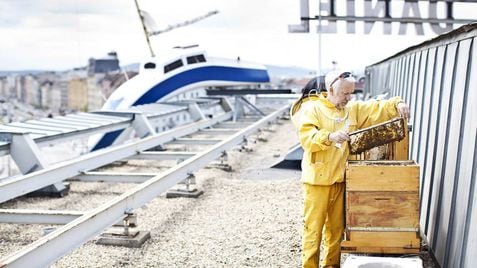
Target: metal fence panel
[(417, 102), (451, 181), (438, 79), (403, 89), (428, 188), (470, 237), (425, 104), (466, 235), (425, 119), (407, 90), (438, 242)]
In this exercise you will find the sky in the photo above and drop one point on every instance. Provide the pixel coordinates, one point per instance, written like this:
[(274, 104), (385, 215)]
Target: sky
[(63, 34)]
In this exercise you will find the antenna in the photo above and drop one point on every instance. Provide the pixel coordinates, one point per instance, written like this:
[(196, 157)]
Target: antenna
[(170, 27), (185, 23), (144, 28)]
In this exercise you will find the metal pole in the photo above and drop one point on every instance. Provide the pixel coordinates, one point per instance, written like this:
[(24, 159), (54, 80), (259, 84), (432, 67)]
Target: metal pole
[(319, 37), (141, 17)]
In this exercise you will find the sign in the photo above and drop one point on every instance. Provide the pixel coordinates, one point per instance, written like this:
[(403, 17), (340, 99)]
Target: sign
[(405, 12)]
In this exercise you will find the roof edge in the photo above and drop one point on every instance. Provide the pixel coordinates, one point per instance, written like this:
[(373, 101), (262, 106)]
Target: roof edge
[(453, 35)]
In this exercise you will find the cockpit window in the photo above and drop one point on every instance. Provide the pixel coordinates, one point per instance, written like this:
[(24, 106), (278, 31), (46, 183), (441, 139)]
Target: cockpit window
[(150, 65), (172, 66), (195, 59)]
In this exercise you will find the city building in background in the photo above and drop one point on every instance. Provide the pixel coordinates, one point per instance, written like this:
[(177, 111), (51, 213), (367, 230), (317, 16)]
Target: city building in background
[(42, 93), (110, 63)]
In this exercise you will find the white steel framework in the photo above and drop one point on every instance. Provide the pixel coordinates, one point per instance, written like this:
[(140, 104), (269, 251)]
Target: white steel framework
[(85, 225)]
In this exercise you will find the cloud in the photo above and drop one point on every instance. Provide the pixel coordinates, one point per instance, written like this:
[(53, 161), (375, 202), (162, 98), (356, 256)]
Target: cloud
[(59, 34)]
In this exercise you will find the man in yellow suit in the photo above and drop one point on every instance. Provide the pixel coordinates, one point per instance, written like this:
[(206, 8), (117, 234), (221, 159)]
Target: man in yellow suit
[(323, 121)]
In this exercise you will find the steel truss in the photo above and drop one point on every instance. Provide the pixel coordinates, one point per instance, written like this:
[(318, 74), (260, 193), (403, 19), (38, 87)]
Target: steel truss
[(82, 226)]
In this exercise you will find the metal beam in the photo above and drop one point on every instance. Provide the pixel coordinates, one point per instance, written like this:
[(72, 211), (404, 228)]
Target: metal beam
[(113, 177), (284, 97), (163, 155), (25, 153), (27, 157), (60, 122), (96, 118), (160, 114), (218, 131), (194, 141), (86, 124), (228, 92), (41, 138), (28, 216), (11, 188), (233, 125), (9, 129), (49, 124), (251, 106), (39, 127), (248, 119), (142, 126), (35, 129), (103, 115), (80, 120), (195, 111), (51, 247)]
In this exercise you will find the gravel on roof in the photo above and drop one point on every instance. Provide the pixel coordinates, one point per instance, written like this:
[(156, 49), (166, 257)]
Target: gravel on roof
[(238, 221)]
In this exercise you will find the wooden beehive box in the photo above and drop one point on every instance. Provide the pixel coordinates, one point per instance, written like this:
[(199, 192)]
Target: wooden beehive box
[(382, 207)]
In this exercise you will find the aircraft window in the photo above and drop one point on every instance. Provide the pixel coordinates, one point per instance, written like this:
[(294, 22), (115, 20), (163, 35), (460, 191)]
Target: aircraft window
[(200, 58), (195, 59), (150, 65), (191, 60), (172, 66)]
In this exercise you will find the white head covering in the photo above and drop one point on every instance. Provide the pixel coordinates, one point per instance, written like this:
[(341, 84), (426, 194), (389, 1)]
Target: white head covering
[(332, 75)]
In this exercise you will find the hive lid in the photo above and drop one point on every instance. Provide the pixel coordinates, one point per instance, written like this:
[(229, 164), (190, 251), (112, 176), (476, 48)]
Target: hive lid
[(377, 135)]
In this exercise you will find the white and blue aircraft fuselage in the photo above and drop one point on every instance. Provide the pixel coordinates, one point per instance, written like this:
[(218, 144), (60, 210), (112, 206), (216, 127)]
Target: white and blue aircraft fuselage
[(161, 82)]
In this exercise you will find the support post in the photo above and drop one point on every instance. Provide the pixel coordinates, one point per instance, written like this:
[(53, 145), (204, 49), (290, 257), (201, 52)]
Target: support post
[(251, 106), (26, 155), (195, 112), (185, 189), (142, 126), (238, 109)]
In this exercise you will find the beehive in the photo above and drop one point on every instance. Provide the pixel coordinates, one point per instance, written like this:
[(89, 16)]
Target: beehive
[(377, 135), (382, 207)]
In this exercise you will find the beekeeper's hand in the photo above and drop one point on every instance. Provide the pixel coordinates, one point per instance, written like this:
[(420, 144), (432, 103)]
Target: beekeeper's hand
[(338, 137), (403, 110)]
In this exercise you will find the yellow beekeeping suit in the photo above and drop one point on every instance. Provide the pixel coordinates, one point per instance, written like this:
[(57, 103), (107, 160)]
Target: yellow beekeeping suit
[(323, 167)]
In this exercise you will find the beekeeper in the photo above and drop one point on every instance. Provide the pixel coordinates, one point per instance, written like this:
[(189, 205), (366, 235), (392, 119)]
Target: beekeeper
[(323, 121)]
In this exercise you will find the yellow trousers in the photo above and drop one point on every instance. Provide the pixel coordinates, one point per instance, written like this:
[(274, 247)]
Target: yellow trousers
[(323, 207)]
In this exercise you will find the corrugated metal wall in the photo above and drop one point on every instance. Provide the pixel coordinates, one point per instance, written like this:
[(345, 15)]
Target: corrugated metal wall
[(438, 79)]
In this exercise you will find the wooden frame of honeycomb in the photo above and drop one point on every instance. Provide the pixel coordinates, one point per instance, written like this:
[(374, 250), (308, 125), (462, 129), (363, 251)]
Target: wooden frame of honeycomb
[(367, 138)]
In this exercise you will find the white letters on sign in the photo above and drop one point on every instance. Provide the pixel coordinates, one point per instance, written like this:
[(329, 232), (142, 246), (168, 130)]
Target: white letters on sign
[(379, 16)]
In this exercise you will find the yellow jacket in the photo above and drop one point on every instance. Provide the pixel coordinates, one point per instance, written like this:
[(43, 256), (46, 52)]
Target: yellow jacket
[(324, 163)]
